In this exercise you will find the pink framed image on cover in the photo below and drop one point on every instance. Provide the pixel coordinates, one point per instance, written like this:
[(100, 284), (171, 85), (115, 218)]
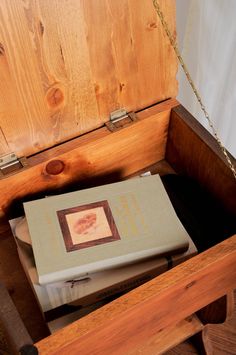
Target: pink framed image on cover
[(87, 225)]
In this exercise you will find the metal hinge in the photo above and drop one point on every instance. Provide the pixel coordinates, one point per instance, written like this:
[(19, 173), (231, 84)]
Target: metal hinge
[(10, 164), (119, 119)]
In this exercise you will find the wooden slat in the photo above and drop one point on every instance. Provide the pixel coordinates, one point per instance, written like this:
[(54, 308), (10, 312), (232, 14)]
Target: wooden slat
[(192, 151), (46, 87), (129, 321), (66, 64), (99, 153), (170, 337)]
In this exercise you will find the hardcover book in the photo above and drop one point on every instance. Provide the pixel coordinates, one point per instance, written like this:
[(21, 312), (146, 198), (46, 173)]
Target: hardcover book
[(79, 233), (97, 286)]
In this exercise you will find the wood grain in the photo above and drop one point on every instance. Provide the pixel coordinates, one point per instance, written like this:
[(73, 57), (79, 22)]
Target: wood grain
[(128, 322), (4, 148), (169, 337), (66, 64), (110, 156), (192, 151)]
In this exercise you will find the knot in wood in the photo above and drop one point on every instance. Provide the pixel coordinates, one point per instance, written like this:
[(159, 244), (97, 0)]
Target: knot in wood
[(55, 167), (55, 97)]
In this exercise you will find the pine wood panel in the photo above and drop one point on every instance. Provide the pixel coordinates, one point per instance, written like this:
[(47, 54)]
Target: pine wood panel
[(128, 322), (97, 154), (4, 148), (66, 64)]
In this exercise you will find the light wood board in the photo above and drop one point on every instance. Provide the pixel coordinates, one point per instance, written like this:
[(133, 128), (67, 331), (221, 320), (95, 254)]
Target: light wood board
[(97, 154), (66, 64)]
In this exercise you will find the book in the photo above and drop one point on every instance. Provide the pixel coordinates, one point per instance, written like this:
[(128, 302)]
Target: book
[(99, 285), (88, 231)]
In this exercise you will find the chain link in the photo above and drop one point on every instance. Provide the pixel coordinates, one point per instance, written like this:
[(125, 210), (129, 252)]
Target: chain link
[(177, 52)]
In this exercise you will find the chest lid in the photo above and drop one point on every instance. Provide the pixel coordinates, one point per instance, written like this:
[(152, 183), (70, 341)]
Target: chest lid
[(66, 65)]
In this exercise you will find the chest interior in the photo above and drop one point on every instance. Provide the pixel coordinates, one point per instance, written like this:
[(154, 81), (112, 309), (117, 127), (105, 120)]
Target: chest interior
[(100, 57)]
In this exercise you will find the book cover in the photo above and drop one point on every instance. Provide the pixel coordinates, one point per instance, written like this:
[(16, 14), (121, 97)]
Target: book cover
[(98, 285), (95, 229)]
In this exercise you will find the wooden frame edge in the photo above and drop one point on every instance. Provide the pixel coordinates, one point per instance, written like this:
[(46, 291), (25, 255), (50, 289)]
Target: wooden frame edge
[(127, 323), (99, 154), (192, 151)]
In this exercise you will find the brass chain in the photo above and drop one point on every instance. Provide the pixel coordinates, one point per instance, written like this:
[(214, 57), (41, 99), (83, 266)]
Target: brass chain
[(177, 52)]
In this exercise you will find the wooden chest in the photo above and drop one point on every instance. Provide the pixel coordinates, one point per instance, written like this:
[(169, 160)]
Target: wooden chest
[(65, 66)]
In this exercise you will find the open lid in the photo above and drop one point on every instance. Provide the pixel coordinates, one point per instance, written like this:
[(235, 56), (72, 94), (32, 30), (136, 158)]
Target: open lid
[(66, 65)]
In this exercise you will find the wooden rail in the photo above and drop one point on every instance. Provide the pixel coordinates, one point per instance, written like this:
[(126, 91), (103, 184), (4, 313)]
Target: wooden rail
[(97, 155), (126, 324)]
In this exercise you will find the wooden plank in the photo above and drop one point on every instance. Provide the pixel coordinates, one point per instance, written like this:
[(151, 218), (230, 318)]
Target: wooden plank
[(110, 156), (220, 339), (131, 37), (66, 64), (128, 322), (192, 151), (51, 85), (169, 337)]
